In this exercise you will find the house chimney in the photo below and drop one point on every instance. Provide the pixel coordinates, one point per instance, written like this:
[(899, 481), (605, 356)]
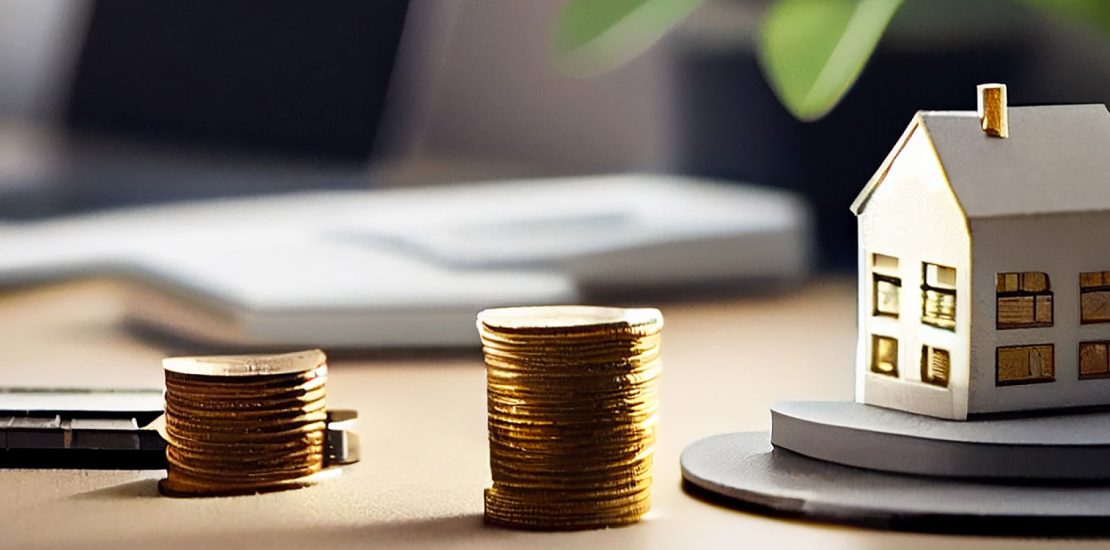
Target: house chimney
[(992, 110)]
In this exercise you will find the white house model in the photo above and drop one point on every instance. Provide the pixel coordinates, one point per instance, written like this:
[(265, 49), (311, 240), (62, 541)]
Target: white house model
[(984, 268)]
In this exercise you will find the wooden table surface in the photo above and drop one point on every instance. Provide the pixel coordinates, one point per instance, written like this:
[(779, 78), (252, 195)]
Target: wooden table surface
[(422, 423)]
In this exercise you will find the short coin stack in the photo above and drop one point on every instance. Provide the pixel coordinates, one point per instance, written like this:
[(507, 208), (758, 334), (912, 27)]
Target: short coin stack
[(244, 424), (572, 412)]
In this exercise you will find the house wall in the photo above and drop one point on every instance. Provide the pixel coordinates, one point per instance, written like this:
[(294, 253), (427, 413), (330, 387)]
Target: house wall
[(1061, 246), (914, 216)]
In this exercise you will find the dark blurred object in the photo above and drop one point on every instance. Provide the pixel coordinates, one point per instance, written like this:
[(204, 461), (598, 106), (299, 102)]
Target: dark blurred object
[(191, 100), (271, 75), (80, 428), (829, 160)]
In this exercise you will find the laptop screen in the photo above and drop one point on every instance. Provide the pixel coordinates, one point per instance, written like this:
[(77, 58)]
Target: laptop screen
[(281, 77)]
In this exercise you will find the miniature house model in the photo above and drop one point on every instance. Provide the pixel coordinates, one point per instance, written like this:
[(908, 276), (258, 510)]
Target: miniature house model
[(985, 262)]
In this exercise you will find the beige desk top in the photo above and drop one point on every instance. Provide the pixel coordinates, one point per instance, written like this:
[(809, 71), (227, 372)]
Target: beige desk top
[(423, 437)]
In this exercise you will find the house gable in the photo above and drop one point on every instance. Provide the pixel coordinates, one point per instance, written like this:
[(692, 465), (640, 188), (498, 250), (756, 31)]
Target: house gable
[(884, 168), (912, 220)]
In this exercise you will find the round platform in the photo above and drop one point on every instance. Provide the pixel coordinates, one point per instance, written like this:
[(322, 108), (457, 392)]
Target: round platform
[(742, 470), (1053, 448)]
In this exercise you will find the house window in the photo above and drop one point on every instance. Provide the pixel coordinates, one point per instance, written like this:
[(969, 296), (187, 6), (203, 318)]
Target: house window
[(1093, 360), (1094, 297), (1023, 300), (1024, 364), (938, 293), (935, 365), (886, 286), (886, 295), (884, 264), (884, 355)]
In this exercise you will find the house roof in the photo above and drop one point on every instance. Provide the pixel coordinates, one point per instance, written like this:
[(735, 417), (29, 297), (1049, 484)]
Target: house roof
[(1056, 160)]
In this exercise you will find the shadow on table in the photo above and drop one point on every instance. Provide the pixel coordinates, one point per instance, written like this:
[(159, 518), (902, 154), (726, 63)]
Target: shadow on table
[(432, 532), (143, 488)]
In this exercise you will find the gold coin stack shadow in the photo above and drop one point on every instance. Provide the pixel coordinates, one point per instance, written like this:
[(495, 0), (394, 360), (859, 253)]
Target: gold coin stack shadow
[(572, 412), (244, 424)]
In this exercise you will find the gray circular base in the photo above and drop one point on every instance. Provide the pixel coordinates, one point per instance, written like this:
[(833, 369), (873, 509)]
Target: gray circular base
[(1052, 448), (743, 471)]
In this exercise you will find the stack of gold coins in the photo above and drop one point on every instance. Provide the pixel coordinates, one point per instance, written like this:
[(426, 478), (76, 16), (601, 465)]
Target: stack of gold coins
[(244, 424), (572, 413)]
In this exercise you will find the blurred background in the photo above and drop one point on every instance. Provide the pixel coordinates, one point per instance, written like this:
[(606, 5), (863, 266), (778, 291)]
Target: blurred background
[(112, 104)]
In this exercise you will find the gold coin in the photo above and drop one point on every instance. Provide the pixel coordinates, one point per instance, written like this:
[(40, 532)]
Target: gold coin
[(248, 365), (565, 343), (568, 319)]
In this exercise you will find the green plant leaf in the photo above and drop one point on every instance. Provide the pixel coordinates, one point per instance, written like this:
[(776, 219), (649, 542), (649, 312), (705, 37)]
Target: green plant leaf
[(1092, 12), (812, 51), (594, 36)]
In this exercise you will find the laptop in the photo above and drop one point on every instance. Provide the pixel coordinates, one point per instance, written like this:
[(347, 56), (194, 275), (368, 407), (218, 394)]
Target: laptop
[(215, 157)]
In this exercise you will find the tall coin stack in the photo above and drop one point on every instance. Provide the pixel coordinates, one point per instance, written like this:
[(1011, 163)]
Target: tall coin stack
[(572, 413), (244, 424)]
